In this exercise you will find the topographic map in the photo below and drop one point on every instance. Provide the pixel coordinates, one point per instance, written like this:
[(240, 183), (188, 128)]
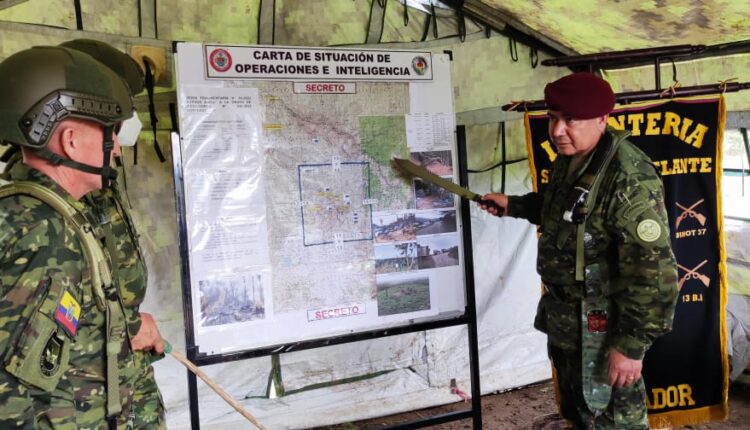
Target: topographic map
[(327, 161)]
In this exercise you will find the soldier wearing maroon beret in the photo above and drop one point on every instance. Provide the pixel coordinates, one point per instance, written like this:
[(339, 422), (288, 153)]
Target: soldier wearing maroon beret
[(605, 258)]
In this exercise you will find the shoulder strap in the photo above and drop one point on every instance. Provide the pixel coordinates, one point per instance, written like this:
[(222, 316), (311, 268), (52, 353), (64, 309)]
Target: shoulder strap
[(589, 187), (100, 273), (582, 201), (594, 306)]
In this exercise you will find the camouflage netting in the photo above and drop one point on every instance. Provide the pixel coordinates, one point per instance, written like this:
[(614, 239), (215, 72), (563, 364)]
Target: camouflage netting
[(601, 25)]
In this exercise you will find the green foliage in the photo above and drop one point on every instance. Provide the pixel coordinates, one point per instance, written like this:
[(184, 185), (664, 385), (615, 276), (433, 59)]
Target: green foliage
[(383, 137)]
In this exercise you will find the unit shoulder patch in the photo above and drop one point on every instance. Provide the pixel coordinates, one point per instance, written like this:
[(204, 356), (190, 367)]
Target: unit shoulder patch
[(648, 230)]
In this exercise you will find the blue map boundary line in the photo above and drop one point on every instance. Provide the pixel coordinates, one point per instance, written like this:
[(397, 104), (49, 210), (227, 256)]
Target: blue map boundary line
[(366, 165)]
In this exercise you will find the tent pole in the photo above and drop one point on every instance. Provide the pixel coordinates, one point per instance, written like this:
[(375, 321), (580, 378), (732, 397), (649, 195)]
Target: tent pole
[(471, 303), (627, 56)]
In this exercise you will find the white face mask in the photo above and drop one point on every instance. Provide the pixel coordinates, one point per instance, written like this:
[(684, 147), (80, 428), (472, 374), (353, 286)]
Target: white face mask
[(129, 130)]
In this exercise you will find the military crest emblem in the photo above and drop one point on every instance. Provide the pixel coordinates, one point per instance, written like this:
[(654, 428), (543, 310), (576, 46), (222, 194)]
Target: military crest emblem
[(419, 64), (49, 362), (648, 230), (220, 60)]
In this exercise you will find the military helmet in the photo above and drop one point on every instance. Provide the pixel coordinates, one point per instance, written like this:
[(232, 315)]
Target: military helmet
[(120, 62), (125, 66), (44, 85)]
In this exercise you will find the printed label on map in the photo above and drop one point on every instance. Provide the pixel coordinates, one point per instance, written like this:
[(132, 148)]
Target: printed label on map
[(336, 312), (325, 88)]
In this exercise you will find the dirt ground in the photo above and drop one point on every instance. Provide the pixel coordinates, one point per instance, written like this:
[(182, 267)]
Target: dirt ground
[(533, 408)]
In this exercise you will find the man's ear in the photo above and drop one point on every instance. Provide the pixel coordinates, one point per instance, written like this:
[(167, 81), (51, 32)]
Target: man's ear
[(67, 137), (603, 122)]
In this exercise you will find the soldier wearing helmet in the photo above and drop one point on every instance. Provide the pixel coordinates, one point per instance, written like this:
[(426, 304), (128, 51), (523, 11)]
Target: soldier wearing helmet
[(63, 330), (118, 62), (40, 91)]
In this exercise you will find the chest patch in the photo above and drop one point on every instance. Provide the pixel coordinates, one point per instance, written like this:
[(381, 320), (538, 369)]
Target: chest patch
[(67, 313), (648, 230), (597, 321)]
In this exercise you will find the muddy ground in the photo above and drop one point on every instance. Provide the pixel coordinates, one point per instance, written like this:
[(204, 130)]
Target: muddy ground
[(533, 408)]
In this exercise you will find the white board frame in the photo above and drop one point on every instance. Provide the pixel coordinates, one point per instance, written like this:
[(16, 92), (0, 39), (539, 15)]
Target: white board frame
[(430, 99)]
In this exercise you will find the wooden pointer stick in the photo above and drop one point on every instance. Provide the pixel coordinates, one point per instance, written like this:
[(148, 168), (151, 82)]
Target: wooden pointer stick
[(214, 386)]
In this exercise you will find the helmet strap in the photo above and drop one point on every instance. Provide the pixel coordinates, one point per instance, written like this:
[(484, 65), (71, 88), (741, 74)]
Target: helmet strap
[(108, 145), (107, 173)]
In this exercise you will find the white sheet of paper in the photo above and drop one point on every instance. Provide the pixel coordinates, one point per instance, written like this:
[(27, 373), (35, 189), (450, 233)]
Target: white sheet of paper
[(225, 193), (429, 131), (221, 127), (225, 245)]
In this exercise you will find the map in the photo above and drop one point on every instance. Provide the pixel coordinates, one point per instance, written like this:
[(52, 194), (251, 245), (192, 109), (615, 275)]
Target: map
[(335, 202), (328, 169)]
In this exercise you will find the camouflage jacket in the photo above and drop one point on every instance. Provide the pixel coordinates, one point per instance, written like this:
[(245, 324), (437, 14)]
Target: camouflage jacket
[(108, 211), (626, 238), (43, 270)]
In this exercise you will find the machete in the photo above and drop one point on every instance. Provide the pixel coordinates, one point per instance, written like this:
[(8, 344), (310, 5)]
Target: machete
[(412, 169)]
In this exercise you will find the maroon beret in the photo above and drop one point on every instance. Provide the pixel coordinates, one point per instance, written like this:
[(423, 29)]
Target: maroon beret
[(581, 95)]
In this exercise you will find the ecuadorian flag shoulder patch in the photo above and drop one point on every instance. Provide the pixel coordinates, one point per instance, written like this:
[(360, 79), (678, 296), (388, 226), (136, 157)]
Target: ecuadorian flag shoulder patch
[(67, 313)]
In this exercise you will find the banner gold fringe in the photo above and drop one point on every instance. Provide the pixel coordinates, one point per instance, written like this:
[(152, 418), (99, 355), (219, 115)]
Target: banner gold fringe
[(677, 419), (722, 256), (530, 151)]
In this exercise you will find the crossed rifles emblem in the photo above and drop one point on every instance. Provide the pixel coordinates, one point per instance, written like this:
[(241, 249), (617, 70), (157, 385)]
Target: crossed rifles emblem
[(690, 212), (693, 274)]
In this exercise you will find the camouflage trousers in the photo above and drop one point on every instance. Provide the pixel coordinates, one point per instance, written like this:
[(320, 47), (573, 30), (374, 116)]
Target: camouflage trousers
[(142, 406), (626, 409), (79, 402)]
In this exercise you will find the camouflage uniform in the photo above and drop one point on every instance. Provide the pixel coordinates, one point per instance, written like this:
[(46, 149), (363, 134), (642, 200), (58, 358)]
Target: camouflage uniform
[(41, 259), (632, 270)]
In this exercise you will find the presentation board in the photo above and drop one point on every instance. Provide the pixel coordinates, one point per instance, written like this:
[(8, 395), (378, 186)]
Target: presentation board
[(298, 228)]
